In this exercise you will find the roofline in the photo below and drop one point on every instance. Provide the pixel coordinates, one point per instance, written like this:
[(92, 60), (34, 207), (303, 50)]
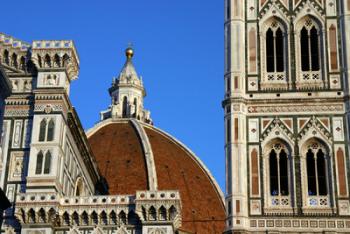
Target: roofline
[(195, 157), (106, 122)]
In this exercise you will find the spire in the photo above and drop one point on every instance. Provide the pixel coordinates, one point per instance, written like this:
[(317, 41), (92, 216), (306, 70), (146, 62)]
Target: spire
[(127, 93)]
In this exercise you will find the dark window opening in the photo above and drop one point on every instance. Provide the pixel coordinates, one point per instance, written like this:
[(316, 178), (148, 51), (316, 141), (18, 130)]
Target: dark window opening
[(321, 173), (42, 130), (314, 50), (311, 173), (270, 51), (279, 51), (283, 163), (125, 107), (304, 47), (47, 164), (39, 163), (51, 131), (273, 174)]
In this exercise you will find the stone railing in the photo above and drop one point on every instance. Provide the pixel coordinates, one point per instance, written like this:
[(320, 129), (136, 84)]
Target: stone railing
[(146, 206)]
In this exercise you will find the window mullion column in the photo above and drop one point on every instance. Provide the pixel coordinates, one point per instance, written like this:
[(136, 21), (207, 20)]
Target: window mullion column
[(309, 54), (274, 53), (316, 174), (278, 175)]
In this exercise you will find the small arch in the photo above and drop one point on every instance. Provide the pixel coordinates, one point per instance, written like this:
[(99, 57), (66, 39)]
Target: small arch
[(6, 57), (79, 187), (122, 218), (103, 218), (66, 218), (113, 217), (65, 60), (14, 62), (162, 213), (47, 164), (42, 216), (47, 61), (51, 130), (57, 61), (84, 218), (152, 213), (75, 219), (94, 218), (42, 130), (39, 163), (23, 63), (40, 61), (125, 107), (136, 107), (31, 216), (172, 213)]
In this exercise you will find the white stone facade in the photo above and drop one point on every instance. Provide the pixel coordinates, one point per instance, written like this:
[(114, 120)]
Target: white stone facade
[(286, 116)]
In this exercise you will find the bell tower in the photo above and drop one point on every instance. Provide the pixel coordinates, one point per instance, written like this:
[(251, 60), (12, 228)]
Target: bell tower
[(287, 115)]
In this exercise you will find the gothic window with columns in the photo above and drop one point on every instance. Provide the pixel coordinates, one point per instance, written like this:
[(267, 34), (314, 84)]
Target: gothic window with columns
[(125, 107), (274, 54), (43, 163), (47, 130), (309, 55), (316, 184), (277, 162)]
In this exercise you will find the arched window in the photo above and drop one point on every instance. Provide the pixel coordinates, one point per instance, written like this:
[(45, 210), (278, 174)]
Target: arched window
[(6, 57), (42, 130), (39, 163), (14, 61), (274, 49), (152, 214), (51, 130), (278, 164), (125, 107), (172, 213), (309, 47), (135, 104), (47, 61), (162, 213), (316, 167), (57, 61), (23, 64), (122, 217), (47, 164)]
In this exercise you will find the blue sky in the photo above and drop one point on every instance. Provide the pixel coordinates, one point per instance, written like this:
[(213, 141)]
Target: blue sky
[(178, 52)]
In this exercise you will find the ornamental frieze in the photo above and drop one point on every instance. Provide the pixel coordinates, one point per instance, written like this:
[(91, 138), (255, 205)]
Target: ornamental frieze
[(295, 108)]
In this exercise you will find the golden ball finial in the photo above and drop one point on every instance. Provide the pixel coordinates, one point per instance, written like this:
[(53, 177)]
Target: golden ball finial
[(129, 52)]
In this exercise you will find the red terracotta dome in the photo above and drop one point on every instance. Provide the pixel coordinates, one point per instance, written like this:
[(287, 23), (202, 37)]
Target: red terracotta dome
[(134, 156)]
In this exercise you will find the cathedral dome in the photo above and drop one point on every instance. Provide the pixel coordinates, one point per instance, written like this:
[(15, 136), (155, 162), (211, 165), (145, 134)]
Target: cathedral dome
[(135, 156)]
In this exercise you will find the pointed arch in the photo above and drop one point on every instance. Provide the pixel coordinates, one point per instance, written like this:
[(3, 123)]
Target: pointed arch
[(79, 187), (14, 62), (57, 61), (152, 213), (162, 213), (125, 107), (42, 130), (51, 130), (136, 107), (22, 65), (47, 165), (172, 212), (39, 163), (6, 58), (122, 218), (42, 216), (47, 61)]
